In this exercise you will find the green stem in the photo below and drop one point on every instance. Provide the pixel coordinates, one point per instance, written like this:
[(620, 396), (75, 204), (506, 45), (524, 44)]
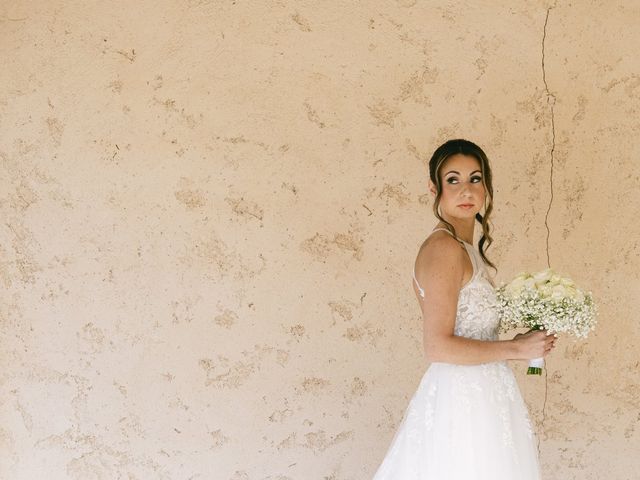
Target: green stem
[(535, 370)]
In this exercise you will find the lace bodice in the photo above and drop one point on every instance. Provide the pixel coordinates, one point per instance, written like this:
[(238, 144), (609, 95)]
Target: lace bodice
[(476, 315)]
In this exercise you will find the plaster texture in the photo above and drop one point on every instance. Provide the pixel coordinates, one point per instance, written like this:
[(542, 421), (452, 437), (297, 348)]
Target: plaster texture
[(210, 213)]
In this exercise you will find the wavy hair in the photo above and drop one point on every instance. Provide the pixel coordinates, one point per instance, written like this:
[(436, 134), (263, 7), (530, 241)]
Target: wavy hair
[(465, 147)]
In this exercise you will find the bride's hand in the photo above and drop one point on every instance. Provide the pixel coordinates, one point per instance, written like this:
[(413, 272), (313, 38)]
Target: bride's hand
[(519, 334), (534, 344)]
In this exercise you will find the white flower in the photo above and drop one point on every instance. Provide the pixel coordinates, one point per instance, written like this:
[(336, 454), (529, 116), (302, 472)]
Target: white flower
[(515, 286), (542, 277), (558, 292), (544, 291), (567, 282), (545, 299)]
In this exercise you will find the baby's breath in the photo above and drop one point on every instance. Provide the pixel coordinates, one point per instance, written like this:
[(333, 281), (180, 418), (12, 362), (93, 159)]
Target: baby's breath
[(527, 306)]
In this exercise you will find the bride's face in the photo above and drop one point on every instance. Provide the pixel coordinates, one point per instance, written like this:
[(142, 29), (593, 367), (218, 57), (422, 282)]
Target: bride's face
[(461, 179)]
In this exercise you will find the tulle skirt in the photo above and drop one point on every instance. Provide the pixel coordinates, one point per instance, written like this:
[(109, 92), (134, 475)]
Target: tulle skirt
[(464, 422)]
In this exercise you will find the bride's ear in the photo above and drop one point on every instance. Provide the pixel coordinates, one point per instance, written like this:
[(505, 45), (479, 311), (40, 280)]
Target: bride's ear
[(432, 187)]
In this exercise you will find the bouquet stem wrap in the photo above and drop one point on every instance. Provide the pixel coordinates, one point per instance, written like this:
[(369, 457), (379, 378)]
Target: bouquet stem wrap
[(536, 364)]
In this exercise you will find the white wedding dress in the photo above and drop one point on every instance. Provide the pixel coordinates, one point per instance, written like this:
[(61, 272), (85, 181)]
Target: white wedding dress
[(465, 422)]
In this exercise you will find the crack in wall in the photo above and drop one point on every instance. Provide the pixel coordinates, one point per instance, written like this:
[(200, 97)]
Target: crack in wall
[(551, 100)]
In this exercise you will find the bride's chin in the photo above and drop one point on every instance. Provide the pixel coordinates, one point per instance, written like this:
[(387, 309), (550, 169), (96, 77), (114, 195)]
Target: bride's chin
[(470, 213)]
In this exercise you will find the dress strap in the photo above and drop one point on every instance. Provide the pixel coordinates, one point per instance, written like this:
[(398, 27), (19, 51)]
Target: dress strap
[(446, 230), (417, 284), (474, 260), (442, 228)]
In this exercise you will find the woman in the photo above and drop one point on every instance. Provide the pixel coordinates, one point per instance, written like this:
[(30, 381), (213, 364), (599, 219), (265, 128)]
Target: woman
[(467, 419)]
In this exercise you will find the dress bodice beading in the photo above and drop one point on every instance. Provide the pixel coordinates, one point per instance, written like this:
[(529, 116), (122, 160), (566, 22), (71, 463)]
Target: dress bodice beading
[(476, 315)]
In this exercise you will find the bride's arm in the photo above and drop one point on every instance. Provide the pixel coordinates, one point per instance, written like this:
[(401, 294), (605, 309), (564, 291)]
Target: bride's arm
[(439, 270)]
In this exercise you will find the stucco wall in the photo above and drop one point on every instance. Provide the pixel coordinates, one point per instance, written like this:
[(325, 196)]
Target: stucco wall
[(210, 212)]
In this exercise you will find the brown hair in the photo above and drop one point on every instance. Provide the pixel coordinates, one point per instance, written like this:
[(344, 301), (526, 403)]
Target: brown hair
[(465, 147)]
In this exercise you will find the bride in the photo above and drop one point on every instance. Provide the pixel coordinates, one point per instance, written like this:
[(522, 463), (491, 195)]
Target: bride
[(467, 419)]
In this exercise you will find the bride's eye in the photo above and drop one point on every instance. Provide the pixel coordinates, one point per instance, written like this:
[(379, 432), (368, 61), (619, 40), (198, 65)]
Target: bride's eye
[(452, 179)]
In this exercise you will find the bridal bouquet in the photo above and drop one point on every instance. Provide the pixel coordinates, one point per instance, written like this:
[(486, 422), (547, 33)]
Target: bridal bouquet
[(545, 300)]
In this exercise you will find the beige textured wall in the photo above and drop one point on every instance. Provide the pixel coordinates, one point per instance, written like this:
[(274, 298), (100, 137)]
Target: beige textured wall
[(210, 211)]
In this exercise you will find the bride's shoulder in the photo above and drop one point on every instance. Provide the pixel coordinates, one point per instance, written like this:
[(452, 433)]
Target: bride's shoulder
[(438, 241), (439, 248)]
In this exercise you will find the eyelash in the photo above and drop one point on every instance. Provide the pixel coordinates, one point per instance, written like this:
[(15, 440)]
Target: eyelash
[(454, 178)]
